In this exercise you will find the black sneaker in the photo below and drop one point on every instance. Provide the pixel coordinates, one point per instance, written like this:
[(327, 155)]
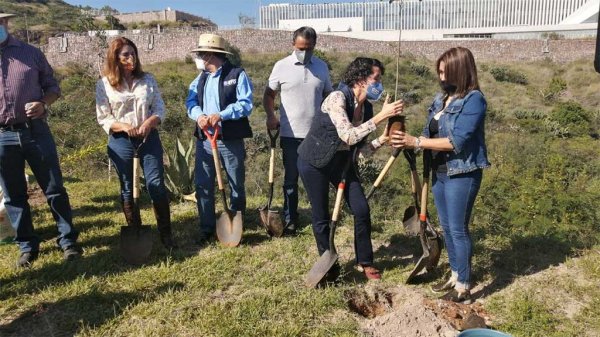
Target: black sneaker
[(27, 258), (443, 286), (290, 229), (72, 252), (456, 296), (203, 238)]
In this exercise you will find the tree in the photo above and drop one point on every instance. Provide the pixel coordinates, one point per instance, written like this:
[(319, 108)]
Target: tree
[(246, 21), (114, 23)]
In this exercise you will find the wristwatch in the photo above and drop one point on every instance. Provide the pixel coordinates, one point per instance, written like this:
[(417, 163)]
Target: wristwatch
[(46, 108), (418, 147)]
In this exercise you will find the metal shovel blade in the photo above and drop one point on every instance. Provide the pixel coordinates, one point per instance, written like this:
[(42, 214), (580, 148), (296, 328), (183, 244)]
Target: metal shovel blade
[(230, 228), (271, 221), (136, 244), (264, 218), (435, 250), (412, 225), (423, 260), (320, 268), (274, 223)]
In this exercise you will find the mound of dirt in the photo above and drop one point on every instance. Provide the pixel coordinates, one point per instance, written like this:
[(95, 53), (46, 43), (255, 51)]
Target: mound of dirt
[(406, 314)]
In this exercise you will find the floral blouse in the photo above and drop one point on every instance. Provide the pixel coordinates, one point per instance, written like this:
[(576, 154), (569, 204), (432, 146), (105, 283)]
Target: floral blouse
[(128, 105), (349, 132)]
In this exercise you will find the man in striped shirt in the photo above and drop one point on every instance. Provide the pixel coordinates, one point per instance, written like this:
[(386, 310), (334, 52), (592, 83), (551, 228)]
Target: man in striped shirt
[(27, 86)]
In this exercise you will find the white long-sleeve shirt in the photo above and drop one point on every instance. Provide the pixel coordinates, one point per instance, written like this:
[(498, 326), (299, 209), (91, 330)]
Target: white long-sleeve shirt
[(128, 105)]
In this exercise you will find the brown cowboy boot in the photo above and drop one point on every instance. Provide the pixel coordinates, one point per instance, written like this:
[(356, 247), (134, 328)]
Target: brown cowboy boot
[(132, 214), (163, 222)]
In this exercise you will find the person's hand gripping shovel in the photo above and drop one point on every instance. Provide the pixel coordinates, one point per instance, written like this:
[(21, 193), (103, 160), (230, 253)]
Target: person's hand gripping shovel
[(136, 239), (271, 219), (230, 224)]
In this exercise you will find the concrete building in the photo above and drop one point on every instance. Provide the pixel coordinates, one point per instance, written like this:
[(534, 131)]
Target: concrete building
[(168, 15), (439, 19)]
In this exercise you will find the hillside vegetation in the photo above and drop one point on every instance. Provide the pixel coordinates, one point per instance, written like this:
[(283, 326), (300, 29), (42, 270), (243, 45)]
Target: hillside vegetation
[(537, 209)]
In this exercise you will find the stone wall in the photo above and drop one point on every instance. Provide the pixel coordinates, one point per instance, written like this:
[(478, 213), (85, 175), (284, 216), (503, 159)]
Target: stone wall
[(176, 45)]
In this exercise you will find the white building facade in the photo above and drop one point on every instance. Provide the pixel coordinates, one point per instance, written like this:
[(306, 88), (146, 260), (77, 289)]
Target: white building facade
[(439, 19)]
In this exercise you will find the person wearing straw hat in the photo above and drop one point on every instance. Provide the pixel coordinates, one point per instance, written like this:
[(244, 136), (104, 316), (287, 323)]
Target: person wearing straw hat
[(28, 87), (220, 96)]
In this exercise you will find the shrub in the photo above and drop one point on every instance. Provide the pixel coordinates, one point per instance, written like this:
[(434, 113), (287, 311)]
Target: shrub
[(179, 174), (555, 88), (529, 114), (572, 116), (504, 74), (420, 70)]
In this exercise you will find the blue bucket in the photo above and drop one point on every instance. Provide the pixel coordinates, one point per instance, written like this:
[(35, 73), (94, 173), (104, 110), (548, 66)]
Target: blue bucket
[(482, 333)]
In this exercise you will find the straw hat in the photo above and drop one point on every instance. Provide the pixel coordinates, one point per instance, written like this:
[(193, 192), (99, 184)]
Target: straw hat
[(211, 43), (6, 15)]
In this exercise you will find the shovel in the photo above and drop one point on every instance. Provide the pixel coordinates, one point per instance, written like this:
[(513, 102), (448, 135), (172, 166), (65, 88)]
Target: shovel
[(330, 256), (271, 219), (412, 225), (396, 124), (230, 224), (431, 243), (136, 240)]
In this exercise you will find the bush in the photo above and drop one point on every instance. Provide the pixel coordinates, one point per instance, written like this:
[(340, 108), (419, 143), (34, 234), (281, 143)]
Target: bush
[(572, 116), (555, 88), (504, 74), (420, 70), (179, 174)]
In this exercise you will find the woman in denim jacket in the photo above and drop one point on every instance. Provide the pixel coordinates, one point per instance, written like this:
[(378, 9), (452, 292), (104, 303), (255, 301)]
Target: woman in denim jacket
[(454, 138)]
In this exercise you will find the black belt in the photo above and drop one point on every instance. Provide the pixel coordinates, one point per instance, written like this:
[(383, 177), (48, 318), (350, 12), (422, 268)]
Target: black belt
[(14, 127)]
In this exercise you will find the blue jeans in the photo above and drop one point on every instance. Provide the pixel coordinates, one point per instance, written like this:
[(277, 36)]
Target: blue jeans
[(454, 198), (233, 154), (289, 147), (36, 146), (316, 182), (120, 152)]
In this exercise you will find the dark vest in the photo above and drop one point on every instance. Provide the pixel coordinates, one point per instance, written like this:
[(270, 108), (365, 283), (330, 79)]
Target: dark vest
[(322, 141), (231, 129)]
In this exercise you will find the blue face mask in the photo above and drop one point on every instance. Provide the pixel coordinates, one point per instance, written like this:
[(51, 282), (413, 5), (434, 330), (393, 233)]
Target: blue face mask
[(3, 34), (374, 91)]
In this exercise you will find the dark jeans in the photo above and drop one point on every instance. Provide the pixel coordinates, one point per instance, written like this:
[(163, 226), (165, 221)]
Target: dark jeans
[(316, 182), (233, 155), (36, 146), (454, 198), (120, 152), (289, 147)]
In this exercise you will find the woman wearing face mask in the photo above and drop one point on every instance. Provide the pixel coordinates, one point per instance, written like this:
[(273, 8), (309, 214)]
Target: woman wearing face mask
[(129, 108), (343, 124), (454, 140)]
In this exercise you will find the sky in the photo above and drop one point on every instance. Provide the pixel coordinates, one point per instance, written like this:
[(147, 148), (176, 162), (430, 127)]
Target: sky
[(222, 12)]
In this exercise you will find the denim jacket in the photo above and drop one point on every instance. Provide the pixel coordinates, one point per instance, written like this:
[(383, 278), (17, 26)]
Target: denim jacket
[(463, 125)]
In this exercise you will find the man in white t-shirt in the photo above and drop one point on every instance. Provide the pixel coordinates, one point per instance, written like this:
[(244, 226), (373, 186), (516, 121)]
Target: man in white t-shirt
[(303, 82)]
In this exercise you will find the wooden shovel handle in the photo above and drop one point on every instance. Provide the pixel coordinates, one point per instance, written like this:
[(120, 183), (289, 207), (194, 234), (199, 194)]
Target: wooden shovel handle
[(272, 166), (338, 200), (215, 152), (136, 180), (387, 167), (425, 190)]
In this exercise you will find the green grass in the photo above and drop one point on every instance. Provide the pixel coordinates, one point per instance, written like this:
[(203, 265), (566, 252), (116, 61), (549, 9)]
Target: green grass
[(256, 289), (537, 208)]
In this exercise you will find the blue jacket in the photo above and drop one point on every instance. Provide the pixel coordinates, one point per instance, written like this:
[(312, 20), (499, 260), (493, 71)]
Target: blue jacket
[(463, 125)]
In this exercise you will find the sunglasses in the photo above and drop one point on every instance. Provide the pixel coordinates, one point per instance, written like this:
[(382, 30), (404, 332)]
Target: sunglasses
[(127, 55)]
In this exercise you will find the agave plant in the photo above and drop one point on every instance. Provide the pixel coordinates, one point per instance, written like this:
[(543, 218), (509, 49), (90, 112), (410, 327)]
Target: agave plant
[(179, 173)]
